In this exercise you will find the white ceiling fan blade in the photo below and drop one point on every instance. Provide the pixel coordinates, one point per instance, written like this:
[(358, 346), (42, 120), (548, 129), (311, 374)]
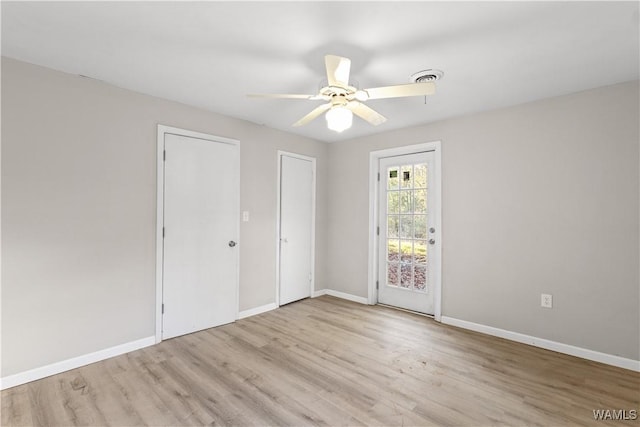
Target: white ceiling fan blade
[(313, 114), (280, 95), (338, 69), (398, 91), (366, 113)]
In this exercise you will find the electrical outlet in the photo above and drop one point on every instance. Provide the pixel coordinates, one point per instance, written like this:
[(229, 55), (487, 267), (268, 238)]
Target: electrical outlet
[(245, 216), (546, 301)]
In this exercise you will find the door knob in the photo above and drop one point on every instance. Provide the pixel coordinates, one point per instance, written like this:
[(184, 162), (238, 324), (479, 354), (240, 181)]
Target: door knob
[(432, 241), (284, 240), (231, 243)]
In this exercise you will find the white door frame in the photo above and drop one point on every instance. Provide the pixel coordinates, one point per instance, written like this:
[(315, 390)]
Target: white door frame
[(313, 220), (436, 193), (162, 131)]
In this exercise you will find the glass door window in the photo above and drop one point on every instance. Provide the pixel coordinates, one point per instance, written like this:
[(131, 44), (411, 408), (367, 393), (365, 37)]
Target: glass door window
[(406, 219)]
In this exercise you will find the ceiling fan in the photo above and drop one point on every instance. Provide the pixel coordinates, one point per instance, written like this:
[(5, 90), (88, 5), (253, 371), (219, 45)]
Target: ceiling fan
[(345, 100)]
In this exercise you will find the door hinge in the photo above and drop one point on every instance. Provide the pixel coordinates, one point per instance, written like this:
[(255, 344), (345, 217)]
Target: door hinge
[(162, 308), (309, 276), (164, 155), (163, 232), (378, 230), (378, 176), (377, 284)]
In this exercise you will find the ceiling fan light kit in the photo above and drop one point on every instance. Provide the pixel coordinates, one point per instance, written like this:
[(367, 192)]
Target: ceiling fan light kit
[(339, 118), (344, 100)]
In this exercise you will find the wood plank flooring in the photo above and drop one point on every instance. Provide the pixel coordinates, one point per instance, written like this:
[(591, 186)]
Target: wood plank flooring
[(327, 361)]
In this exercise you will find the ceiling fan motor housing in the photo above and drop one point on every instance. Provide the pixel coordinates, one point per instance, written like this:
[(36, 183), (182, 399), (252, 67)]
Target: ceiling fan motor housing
[(339, 100)]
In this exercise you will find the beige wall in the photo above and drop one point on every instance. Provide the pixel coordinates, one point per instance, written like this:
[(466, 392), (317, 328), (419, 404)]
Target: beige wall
[(79, 205), (542, 197), (538, 198)]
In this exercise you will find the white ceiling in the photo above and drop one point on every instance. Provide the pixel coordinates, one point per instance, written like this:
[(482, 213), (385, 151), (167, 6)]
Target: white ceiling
[(211, 54)]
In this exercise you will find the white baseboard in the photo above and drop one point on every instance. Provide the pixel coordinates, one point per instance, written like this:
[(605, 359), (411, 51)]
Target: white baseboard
[(75, 362), (257, 310), (571, 350), (343, 295)]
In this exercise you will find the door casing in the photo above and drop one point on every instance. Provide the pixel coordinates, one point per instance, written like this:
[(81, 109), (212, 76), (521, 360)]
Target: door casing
[(313, 220), (436, 194), (162, 131)]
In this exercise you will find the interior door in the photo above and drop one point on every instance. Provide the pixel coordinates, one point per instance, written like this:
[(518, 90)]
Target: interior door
[(201, 213), (406, 275), (296, 225)]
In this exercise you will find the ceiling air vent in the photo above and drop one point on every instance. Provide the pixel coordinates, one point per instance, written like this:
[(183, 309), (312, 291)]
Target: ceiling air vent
[(426, 76)]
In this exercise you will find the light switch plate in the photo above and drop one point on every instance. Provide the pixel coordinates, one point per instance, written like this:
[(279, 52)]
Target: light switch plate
[(245, 216)]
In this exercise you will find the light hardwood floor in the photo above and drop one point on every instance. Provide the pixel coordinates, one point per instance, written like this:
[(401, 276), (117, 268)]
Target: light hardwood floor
[(327, 361)]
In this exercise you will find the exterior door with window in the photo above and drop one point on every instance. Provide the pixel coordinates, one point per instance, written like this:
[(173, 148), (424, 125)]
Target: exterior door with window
[(407, 232)]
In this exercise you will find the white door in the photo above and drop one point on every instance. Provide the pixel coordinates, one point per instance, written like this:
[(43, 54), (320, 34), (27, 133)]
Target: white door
[(407, 242), (296, 228), (201, 212)]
